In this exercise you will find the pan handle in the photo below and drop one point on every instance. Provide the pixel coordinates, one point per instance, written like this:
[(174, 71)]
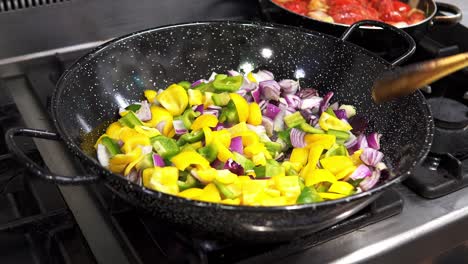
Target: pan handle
[(452, 19), (33, 166), (384, 26)]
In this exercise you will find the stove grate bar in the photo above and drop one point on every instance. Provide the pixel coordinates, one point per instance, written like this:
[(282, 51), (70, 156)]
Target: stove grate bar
[(13, 5)]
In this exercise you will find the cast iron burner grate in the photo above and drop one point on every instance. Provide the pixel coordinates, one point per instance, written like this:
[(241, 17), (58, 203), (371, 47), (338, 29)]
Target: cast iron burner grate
[(445, 169), (150, 239)]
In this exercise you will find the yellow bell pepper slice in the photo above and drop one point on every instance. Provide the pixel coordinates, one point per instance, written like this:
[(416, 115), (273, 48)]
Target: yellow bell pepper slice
[(235, 201), (242, 106), (147, 131), (191, 193), (237, 129), (195, 97), (132, 164), (225, 176), (223, 152), (345, 173), (223, 136), (356, 157), (327, 121), (251, 77), (314, 154), (174, 99), (113, 130), (184, 159), (299, 155), (159, 114), (251, 189), (135, 141), (253, 149), (288, 186), (164, 179), (249, 137), (318, 176), (255, 114), (210, 194), (204, 121), (208, 135), (259, 159), (341, 187), (331, 196), (207, 99), (206, 175), (119, 162), (335, 164), (315, 140), (150, 95)]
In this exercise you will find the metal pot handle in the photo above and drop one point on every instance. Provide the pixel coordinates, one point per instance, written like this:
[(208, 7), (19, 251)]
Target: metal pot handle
[(454, 18), (33, 166), (384, 26)]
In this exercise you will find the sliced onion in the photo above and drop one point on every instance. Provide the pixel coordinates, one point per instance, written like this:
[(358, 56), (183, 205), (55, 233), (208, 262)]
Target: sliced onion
[(160, 126), (371, 156), (158, 161), (211, 112), (212, 76), (361, 172), (268, 124), (271, 111), (133, 176), (179, 127), (352, 140), (242, 93), (196, 83), (373, 140), (234, 167), (371, 181), (219, 126), (359, 124), (311, 102), (362, 142), (289, 86), (326, 102), (314, 121), (103, 155), (297, 138), (236, 145), (248, 85), (233, 73), (256, 94), (340, 114), (199, 108), (144, 113), (146, 150), (293, 100), (307, 93), (334, 106), (278, 122), (264, 75), (270, 90)]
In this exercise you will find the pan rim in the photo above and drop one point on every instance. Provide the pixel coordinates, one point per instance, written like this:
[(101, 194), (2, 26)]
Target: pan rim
[(74, 148)]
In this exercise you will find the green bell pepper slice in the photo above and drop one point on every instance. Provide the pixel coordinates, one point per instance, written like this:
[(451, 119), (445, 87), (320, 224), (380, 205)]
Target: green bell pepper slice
[(111, 146), (224, 83), (229, 114), (166, 147), (308, 195), (191, 137), (185, 84), (130, 120), (209, 152), (190, 182), (224, 190)]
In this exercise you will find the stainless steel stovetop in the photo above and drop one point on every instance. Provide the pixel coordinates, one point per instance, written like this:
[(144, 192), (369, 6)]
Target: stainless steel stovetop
[(35, 48)]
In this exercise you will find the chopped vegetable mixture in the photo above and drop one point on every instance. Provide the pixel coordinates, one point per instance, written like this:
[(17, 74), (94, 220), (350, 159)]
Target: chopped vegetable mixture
[(243, 139)]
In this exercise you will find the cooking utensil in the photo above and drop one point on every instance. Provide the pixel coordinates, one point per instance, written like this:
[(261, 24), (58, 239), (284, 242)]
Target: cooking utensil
[(405, 80), (278, 14), (117, 73)]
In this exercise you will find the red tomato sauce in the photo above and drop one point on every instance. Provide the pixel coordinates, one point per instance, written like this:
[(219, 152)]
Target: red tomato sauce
[(349, 11)]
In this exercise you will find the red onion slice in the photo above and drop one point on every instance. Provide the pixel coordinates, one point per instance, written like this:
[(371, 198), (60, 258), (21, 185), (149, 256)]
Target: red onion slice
[(371, 181), (271, 111), (144, 113), (373, 140), (297, 138), (371, 156), (361, 172), (158, 161), (179, 127), (236, 145), (270, 90), (289, 86)]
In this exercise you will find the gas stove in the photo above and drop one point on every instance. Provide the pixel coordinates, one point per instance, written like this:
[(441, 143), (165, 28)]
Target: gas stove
[(45, 223)]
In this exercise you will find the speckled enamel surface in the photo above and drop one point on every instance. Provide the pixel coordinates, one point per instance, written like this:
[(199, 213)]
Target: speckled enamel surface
[(116, 74)]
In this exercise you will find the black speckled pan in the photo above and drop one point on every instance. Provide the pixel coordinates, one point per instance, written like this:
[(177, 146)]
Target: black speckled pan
[(116, 74)]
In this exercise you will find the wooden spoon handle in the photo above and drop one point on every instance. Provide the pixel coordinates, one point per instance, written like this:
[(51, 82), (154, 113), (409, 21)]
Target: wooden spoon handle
[(407, 79)]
